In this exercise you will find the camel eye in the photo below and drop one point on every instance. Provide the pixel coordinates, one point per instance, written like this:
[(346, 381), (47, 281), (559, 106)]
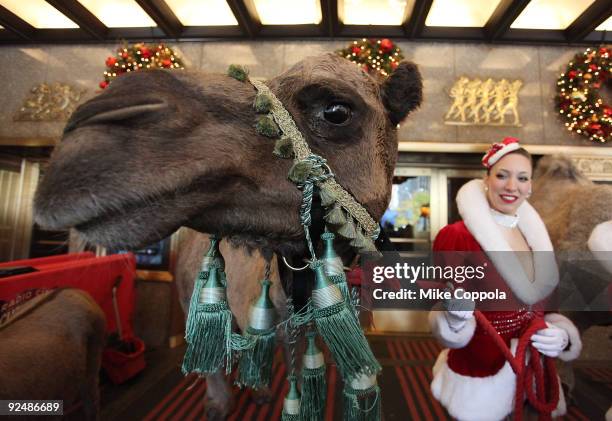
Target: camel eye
[(336, 113)]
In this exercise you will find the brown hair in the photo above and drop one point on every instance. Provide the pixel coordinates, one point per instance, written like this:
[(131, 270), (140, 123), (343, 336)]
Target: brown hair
[(521, 151)]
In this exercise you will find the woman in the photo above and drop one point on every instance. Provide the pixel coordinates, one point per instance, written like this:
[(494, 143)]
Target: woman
[(474, 380)]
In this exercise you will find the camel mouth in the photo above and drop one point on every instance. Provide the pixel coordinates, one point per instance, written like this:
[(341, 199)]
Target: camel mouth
[(130, 225), (137, 221)]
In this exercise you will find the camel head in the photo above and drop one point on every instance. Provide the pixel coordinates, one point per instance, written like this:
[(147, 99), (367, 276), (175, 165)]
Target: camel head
[(162, 149), (558, 168)]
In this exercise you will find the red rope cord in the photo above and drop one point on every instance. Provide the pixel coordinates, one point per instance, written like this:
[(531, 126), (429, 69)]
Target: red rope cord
[(527, 372)]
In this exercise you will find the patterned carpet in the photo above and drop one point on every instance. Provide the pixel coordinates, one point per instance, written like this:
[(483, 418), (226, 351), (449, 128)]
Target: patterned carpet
[(406, 361)]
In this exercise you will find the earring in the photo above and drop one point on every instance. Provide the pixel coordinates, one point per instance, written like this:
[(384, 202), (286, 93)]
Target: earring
[(486, 188)]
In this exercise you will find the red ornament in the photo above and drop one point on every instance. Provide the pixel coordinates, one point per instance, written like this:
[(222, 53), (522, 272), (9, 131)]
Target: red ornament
[(103, 84), (594, 127), (603, 51), (394, 65), (386, 45), (572, 74), (110, 61), (166, 63), (607, 111), (592, 67), (125, 54), (145, 52), (356, 49)]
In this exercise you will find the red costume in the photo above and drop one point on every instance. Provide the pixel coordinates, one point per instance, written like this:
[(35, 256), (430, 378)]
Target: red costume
[(472, 379)]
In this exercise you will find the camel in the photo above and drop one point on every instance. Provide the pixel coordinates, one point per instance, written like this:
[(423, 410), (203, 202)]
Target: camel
[(158, 150), (578, 216), (59, 356)]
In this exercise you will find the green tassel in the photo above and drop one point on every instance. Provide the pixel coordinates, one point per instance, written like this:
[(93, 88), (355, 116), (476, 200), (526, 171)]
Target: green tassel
[(360, 241), (238, 72), (283, 148), (339, 328), (266, 126), (212, 258), (340, 282), (255, 369), (209, 326), (291, 404), (262, 104), (362, 401), (335, 216), (348, 230), (300, 171), (314, 387), (370, 249), (332, 264), (327, 197)]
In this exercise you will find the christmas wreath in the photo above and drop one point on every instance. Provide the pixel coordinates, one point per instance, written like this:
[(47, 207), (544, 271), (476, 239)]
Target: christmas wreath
[(130, 58), (578, 100), (374, 56)]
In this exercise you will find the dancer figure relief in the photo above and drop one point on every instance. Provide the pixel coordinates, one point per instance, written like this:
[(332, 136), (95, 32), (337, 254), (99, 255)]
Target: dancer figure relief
[(478, 102)]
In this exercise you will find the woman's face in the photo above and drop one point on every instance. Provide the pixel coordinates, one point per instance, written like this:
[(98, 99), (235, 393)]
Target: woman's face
[(509, 183)]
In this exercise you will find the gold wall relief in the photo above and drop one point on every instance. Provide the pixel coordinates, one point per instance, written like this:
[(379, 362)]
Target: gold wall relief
[(49, 102), (484, 102)]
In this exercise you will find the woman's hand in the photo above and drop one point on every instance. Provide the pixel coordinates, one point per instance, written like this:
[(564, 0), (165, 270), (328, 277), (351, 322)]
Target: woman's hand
[(457, 319), (550, 341)]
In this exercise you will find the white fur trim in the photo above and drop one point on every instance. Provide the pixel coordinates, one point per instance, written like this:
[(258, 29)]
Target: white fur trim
[(600, 244), (479, 398), (473, 398), (445, 335), (474, 209), (575, 344), (503, 151)]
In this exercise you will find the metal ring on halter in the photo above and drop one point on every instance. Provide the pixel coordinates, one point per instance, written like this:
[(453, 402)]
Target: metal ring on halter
[(329, 171), (292, 268)]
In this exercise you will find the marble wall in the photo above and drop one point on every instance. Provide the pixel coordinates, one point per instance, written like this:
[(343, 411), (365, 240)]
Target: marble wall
[(22, 67)]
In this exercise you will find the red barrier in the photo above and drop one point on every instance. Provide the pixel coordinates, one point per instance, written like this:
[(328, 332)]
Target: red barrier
[(43, 261), (96, 275)]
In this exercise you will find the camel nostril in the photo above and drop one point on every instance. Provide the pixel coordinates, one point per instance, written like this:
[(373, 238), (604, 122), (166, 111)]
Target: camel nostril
[(96, 114)]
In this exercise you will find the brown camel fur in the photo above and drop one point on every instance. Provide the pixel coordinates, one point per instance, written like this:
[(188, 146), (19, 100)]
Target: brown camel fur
[(578, 216), (158, 150), (54, 351), (570, 204)]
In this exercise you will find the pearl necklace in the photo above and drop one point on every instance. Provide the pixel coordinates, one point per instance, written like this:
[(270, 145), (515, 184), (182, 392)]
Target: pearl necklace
[(508, 221)]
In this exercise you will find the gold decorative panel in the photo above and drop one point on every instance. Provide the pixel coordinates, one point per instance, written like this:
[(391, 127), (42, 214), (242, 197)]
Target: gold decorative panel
[(484, 102), (49, 102)]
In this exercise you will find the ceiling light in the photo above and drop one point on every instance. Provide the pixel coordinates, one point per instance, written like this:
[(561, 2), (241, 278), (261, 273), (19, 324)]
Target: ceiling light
[(461, 13), (283, 12), (119, 13), (373, 12), (38, 13), (550, 14), (606, 26), (203, 12)]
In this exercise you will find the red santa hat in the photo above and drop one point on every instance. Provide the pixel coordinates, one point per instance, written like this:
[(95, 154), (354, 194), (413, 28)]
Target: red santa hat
[(498, 150)]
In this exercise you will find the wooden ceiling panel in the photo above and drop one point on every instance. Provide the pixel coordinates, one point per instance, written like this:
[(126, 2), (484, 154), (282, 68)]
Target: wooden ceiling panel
[(496, 30)]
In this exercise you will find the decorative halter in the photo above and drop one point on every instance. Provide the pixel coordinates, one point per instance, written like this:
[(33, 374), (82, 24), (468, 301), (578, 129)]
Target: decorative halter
[(344, 214), (498, 150), (332, 311)]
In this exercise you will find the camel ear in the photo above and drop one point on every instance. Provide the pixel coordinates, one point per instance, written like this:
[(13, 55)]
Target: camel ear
[(402, 92)]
